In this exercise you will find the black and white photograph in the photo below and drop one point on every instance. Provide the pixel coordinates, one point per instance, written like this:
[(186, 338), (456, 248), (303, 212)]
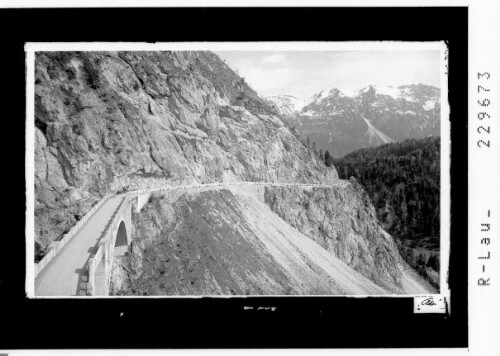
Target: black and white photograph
[(239, 169), (264, 178)]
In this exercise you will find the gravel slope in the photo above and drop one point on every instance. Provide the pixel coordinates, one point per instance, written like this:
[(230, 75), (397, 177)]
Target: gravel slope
[(228, 242)]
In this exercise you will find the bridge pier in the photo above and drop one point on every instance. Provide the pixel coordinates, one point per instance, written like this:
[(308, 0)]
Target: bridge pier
[(114, 242), (141, 200)]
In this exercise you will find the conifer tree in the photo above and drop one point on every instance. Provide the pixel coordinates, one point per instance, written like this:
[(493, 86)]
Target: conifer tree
[(327, 158)]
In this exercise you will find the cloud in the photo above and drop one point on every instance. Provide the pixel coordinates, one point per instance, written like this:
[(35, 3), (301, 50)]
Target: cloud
[(304, 73), (267, 82), (275, 58)]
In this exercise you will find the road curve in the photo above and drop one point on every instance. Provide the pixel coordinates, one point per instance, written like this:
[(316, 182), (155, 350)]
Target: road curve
[(65, 275)]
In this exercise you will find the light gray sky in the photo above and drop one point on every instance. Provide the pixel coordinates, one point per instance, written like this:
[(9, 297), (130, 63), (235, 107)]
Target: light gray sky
[(303, 74)]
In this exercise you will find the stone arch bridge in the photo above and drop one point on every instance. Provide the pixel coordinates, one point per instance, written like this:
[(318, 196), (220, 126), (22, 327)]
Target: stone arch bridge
[(81, 262)]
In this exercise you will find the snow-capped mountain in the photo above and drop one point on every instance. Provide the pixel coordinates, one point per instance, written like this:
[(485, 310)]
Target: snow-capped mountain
[(287, 104), (344, 120)]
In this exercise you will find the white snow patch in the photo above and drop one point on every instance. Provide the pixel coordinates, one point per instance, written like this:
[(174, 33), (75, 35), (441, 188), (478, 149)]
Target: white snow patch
[(389, 91), (288, 104), (349, 92), (430, 104), (325, 93), (298, 103), (407, 94)]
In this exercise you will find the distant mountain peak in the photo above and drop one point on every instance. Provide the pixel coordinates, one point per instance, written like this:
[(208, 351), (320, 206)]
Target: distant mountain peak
[(342, 120), (289, 105)]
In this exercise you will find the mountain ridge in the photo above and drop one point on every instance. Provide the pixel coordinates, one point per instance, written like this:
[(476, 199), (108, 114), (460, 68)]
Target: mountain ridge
[(342, 121)]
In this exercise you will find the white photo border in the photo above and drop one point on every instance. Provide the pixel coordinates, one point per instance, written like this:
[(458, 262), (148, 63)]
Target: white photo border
[(32, 48)]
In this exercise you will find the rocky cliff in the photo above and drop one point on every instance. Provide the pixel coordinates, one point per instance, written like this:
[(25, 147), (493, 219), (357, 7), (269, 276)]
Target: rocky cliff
[(110, 121), (276, 240), (226, 243), (342, 220)]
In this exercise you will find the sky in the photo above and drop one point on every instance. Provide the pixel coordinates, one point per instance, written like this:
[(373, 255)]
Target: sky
[(304, 73)]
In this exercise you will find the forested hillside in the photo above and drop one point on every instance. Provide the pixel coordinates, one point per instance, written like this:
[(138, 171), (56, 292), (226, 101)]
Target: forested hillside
[(403, 180)]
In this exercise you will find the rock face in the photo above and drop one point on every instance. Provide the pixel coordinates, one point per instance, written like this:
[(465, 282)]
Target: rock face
[(343, 221), (228, 243), (342, 121), (290, 240), (110, 121)]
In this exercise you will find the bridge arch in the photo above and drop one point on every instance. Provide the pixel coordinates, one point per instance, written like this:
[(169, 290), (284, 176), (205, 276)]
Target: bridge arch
[(121, 240)]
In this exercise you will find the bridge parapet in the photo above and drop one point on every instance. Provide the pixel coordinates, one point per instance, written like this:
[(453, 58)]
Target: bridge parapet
[(92, 266), (56, 246)]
